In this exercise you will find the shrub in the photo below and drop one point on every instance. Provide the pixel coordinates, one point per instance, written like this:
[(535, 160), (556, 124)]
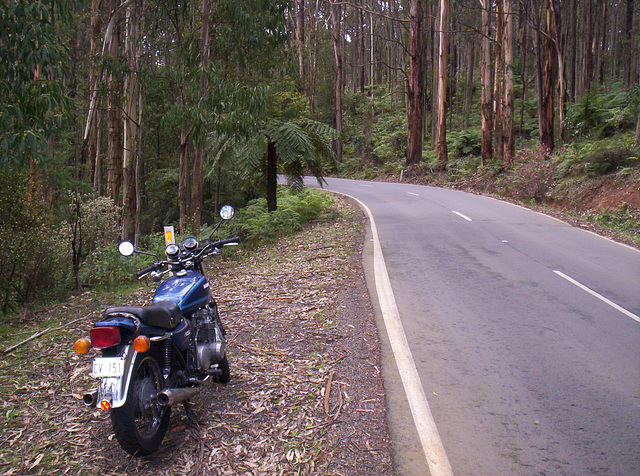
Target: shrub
[(532, 176)]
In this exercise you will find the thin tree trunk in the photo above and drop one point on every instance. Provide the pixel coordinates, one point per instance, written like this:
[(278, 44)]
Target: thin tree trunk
[(498, 82), (468, 88), (114, 120), (272, 177), (415, 93), (132, 130), (197, 173), (507, 107), (485, 77), (183, 181), (442, 85), (548, 80), (336, 13)]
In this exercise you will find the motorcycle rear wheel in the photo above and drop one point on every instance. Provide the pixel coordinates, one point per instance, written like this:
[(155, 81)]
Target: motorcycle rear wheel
[(141, 423)]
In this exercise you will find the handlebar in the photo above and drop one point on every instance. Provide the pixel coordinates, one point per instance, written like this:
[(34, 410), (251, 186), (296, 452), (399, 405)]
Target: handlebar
[(196, 257), (147, 270)]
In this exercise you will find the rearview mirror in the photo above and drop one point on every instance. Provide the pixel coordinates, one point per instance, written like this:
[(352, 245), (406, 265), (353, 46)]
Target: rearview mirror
[(227, 212), (126, 248)]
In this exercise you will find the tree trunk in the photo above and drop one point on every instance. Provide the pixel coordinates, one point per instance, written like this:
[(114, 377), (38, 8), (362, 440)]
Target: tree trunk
[(548, 80), (485, 77), (498, 82), (442, 85), (197, 172), (507, 107), (272, 177), (183, 180), (628, 33), (114, 119), (336, 13), (415, 92), (638, 131), (132, 127), (468, 88)]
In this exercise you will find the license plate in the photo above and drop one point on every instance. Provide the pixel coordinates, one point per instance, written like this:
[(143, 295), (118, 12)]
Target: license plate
[(108, 367)]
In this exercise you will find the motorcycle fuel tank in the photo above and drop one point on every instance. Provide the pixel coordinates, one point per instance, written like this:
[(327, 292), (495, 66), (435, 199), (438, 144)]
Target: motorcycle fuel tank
[(190, 291)]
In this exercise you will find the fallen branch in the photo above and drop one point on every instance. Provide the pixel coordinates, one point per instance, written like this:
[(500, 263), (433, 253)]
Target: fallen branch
[(41, 333), (327, 393)]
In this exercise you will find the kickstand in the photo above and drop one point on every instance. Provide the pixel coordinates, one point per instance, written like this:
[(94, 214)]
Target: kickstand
[(190, 416)]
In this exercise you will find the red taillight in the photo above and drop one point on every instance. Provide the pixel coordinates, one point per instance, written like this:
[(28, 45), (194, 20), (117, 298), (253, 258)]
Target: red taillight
[(104, 337)]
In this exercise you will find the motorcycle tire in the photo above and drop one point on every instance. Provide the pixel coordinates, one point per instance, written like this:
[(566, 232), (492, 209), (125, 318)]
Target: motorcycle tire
[(141, 423), (225, 375)]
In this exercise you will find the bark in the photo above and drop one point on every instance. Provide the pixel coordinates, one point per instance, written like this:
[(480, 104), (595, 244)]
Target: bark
[(508, 105), (415, 93), (183, 180), (114, 118), (498, 82), (336, 13), (132, 125), (468, 88), (638, 131), (299, 32), (442, 85), (272, 177), (197, 172), (548, 80), (91, 149), (485, 77), (628, 30)]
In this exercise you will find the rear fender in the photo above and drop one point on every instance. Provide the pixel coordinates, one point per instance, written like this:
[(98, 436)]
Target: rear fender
[(115, 389)]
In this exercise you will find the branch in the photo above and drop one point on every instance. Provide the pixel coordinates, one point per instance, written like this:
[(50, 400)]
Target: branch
[(41, 333)]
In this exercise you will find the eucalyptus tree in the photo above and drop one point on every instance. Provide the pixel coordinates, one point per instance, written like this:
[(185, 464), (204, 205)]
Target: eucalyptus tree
[(32, 96)]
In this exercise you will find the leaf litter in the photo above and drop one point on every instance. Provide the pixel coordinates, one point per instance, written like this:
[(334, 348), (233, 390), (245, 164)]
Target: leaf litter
[(305, 397)]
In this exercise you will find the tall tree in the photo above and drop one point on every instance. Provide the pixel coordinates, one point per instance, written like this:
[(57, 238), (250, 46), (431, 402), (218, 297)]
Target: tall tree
[(443, 24), (508, 141), (486, 106), (416, 80), (336, 18), (546, 118)]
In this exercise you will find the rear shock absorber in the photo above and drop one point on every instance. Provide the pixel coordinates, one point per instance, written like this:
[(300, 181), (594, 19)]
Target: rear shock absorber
[(166, 360)]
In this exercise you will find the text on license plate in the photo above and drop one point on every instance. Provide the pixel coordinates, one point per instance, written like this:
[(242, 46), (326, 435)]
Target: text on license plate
[(108, 367)]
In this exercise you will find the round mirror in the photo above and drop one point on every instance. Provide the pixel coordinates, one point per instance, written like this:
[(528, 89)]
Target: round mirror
[(227, 212), (126, 248)]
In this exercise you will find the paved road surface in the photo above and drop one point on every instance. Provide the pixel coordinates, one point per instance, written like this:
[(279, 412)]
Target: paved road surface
[(524, 332)]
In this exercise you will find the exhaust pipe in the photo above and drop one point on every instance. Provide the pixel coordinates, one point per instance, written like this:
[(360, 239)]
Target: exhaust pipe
[(90, 398), (170, 396)]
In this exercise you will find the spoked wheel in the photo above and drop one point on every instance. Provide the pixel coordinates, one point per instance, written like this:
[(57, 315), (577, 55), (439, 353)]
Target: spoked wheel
[(141, 423)]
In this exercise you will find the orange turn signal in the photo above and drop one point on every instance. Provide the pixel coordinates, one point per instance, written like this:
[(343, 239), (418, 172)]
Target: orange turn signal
[(82, 346), (105, 405), (141, 344)]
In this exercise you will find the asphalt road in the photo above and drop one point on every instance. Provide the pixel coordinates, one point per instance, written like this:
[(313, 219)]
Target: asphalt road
[(524, 332)]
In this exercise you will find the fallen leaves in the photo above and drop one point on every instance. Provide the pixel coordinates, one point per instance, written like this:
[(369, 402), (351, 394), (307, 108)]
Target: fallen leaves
[(305, 397)]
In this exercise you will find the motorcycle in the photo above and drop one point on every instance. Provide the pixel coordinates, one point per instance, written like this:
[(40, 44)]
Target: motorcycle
[(158, 355)]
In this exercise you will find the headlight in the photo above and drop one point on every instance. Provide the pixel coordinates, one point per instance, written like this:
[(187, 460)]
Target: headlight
[(172, 250)]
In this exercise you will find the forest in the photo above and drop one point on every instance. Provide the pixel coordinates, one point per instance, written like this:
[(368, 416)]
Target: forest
[(120, 116)]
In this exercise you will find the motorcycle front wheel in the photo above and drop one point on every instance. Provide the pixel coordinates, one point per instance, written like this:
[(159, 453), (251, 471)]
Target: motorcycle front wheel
[(141, 423)]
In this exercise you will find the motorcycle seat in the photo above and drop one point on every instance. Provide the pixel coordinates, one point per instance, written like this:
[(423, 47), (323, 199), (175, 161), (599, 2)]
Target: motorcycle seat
[(164, 314)]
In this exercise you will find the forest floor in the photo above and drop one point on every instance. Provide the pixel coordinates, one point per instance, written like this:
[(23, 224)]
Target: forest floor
[(306, 394)]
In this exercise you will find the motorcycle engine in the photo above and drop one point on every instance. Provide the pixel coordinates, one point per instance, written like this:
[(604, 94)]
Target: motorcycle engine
[(210, 341)]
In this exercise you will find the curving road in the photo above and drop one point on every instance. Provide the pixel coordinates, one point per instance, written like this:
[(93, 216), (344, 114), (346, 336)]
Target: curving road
[(523, 330)]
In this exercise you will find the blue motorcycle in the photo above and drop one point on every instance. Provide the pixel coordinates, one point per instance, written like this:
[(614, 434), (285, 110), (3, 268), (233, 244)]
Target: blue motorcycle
[(158, 355)]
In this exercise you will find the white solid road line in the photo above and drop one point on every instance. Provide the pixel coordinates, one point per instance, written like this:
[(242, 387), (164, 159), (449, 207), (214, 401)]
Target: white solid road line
[(432, 447), (599, 296), (461, 215)]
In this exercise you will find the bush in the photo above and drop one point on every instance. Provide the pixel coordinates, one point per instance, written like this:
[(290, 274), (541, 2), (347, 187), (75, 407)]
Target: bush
[(255, 224), (32, 254), (531, 178)]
